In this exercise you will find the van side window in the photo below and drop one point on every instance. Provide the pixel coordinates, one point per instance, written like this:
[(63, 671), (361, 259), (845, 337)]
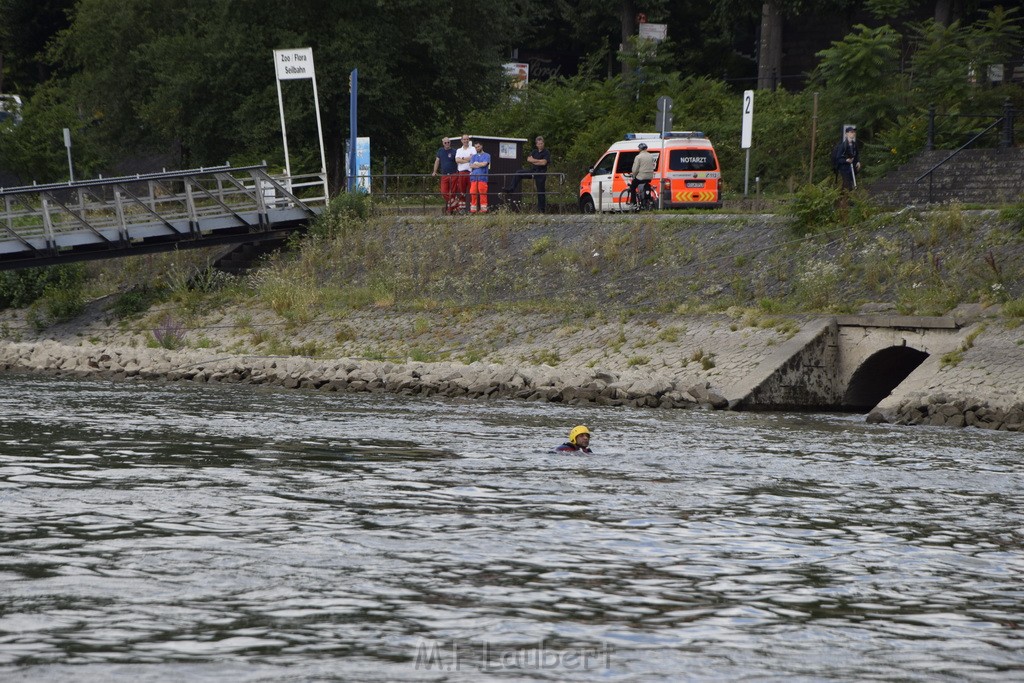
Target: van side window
[(626, 160), (691, 160), (605, 166), (625, 164)]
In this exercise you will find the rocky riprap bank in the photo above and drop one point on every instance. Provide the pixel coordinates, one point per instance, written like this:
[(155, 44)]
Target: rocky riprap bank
[(476, 380), (941, 411), (666, 362)]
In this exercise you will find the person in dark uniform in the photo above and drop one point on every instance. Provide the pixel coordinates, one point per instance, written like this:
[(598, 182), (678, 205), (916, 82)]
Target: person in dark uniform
[(846, 158), (579, 441), (539, 160)]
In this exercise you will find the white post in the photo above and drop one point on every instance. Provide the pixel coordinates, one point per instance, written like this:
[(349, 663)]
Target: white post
[(284, 137), (746, 175), (320, 132), (67, 143), (747, 134)]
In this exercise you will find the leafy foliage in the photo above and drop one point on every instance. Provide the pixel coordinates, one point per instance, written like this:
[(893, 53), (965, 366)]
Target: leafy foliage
[(193, 82), (996, 38), (859, 68), (35, 148), (20, 288), (346, 211), (814, 208), (198, 78), (939, 64), (136, 300)]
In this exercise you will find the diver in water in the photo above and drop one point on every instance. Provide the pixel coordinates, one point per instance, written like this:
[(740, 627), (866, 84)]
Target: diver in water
[(579, 441)]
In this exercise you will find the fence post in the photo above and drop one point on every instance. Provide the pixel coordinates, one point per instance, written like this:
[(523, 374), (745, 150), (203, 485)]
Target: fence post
[(1007, 139), (929, 144)]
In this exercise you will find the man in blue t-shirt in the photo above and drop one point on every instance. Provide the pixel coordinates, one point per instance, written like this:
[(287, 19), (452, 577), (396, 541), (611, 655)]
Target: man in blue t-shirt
[(444, 161), (539, 160), (479, 165)]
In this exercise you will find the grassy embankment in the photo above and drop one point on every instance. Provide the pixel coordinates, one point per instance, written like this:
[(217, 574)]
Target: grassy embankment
[(339, 290)]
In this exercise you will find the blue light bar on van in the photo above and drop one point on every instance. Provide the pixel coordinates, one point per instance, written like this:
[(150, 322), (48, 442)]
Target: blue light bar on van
[(669, 134)]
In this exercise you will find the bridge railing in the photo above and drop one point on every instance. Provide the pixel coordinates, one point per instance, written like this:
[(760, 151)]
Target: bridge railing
[(108, 210)]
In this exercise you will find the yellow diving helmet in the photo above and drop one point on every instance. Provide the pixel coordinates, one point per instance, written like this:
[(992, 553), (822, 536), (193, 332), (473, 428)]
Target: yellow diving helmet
[(576, 431)]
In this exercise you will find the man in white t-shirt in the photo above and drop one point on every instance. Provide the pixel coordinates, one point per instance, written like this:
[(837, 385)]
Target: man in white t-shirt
[(463, 157)]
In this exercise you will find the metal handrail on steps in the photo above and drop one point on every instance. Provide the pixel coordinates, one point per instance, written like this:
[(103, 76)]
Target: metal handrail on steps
[(959, 149)]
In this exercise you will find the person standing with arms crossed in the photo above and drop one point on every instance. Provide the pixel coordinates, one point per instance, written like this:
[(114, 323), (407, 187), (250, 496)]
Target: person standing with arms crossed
[(444, 162), (463, 155), (479, 165), (539, 160)]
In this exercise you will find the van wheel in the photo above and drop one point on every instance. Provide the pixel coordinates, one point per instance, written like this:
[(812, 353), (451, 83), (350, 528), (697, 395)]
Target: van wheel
[(587, 204)]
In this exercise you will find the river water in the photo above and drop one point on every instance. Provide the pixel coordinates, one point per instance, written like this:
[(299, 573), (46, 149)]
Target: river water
[(178, 532)]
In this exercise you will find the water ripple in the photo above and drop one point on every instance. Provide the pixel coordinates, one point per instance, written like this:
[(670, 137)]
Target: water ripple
[(207, 533)]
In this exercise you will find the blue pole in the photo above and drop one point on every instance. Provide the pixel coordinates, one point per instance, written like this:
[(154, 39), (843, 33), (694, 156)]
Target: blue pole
[(353, 90)]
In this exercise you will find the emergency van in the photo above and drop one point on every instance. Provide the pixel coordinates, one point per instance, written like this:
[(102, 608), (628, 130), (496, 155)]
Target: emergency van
[(686, 173)]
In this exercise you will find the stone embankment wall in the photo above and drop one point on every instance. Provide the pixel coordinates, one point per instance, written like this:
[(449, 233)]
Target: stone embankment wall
[(979, 384), (687, 362), (941, 411), (476, 380)]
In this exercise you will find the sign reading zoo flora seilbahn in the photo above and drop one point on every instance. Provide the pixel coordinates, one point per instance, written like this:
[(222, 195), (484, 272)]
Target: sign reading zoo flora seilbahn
[(291, 65), (294, 64)]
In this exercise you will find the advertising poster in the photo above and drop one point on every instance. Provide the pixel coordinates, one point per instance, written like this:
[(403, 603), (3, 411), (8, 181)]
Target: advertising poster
[(362, 174)]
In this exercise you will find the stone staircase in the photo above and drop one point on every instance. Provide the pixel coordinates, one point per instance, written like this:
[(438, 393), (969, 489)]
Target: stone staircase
[(974, 176)]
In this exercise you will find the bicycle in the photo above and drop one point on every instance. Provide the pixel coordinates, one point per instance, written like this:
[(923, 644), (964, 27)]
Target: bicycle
[(647, 198)]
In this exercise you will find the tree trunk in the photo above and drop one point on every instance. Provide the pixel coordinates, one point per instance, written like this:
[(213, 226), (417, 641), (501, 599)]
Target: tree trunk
[(948, 11), (629, 27), (769, 50)]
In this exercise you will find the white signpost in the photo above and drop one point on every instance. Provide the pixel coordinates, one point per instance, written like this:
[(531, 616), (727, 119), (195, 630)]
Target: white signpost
[(67, 143), (293, 65), (748, 130)]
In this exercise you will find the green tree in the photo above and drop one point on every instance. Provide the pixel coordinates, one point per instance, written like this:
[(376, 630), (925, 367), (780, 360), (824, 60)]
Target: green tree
[(996, 39), (772, 15), (198, 78), (35, 149), (648, 71), (860, 74), (939, 64), (26, 26)]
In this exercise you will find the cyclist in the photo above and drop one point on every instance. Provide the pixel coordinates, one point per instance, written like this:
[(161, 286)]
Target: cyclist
[(643, 173)]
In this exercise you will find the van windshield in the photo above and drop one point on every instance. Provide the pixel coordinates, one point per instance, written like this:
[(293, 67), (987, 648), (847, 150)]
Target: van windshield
[(691, 160)]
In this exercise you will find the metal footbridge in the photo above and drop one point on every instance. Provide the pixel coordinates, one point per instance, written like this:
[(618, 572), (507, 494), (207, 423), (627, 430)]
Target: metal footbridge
[(110, 217)]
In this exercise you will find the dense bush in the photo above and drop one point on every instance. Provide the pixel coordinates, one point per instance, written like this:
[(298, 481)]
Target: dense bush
[(136, 300), (345, 211), (21, 288)]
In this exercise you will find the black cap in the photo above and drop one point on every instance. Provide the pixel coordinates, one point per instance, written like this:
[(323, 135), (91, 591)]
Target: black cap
[(850, 128)]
